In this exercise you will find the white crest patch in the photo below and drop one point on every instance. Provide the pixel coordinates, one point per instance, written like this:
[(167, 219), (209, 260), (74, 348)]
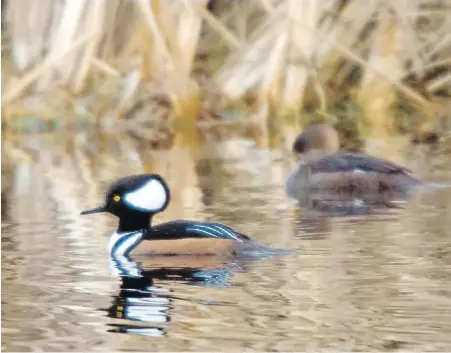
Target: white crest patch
[(150, 197)]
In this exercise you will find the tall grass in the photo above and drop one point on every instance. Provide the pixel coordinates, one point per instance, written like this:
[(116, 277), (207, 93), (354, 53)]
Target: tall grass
[(284, 56)]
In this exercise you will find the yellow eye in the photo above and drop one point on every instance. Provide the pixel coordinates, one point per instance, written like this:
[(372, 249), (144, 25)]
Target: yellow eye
[(116, 198)]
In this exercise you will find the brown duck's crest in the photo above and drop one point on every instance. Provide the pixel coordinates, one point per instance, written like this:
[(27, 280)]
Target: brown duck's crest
[(317, 137)]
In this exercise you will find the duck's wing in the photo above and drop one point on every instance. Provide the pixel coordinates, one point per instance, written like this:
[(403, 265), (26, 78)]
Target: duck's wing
[(215, 230), (348, 162), (191, 229)]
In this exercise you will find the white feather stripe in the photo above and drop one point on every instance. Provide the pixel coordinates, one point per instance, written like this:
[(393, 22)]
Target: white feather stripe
[(123, 243), (115, 237), (127, 245), (230, 233), (150, 197), (208, 232), (214, 230)]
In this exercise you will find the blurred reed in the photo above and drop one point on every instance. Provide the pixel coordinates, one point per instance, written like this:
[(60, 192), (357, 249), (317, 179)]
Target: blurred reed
[(107, 60)]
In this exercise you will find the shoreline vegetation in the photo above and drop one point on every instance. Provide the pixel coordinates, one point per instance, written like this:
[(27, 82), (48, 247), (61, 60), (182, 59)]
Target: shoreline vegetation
[(147, 64)]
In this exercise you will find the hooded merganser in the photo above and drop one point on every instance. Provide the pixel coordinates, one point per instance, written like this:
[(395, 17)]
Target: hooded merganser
[(136, 199), (326, 169)]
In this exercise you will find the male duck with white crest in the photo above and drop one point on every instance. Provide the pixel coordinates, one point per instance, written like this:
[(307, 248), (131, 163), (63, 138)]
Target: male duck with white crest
[(325, 169), (136, 199)]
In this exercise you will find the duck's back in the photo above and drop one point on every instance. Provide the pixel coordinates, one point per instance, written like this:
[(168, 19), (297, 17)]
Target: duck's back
[(356, 162), (191, 238), (182, 229)]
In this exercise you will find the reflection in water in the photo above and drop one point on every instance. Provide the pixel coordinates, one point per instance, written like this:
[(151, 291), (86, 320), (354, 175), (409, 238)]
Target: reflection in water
[(142, 301), (317, 209), (322, 204), (139, 301), (371, 281)]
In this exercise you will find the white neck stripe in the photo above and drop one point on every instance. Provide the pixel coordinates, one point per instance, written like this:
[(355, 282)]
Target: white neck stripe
[(123, 243)]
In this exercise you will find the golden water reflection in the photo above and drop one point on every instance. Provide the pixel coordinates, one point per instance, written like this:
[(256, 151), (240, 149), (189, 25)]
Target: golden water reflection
[(370, 282)]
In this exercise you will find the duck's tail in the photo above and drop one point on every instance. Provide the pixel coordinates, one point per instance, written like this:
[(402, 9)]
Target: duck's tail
[(256, 250)]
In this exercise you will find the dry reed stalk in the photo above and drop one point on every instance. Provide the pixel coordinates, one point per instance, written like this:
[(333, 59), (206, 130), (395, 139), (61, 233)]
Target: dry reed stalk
[(243, 71), (63, 33), (341, 33), (377, 95), (174, 28), (187, 45), (406, 90), (275, 50), (28, 39), (105, 68), (28, 79), (116, 36), (410, 54), (168, 33), (94, 20), (292, 51), (336, 31), (229, 37), (302, 19), (439, 82), (150, 14)]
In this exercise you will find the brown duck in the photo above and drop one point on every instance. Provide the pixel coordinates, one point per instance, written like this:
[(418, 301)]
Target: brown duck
[(326, 170)]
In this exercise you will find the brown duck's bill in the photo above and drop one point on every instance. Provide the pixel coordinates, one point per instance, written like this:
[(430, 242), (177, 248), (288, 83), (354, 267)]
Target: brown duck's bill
[(95, 210)]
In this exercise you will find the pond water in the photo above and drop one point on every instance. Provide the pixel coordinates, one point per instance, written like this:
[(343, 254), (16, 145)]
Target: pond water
[(380, 281)]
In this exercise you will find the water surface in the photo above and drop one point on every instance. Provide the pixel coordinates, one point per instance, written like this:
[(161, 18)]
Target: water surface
[(370, 282)]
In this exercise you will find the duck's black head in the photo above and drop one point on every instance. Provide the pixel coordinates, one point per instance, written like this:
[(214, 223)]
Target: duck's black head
[(134, 200)]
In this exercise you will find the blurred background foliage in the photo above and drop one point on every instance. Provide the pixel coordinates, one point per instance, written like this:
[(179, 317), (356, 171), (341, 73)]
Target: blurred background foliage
[(150, 65)]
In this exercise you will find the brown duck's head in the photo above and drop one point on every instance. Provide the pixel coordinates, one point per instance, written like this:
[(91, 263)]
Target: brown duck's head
[(320, 137)]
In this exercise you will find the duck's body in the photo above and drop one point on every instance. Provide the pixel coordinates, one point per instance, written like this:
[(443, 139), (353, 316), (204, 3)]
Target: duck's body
[(350, 173), (178, 238), (136, 199), (325, 169)]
